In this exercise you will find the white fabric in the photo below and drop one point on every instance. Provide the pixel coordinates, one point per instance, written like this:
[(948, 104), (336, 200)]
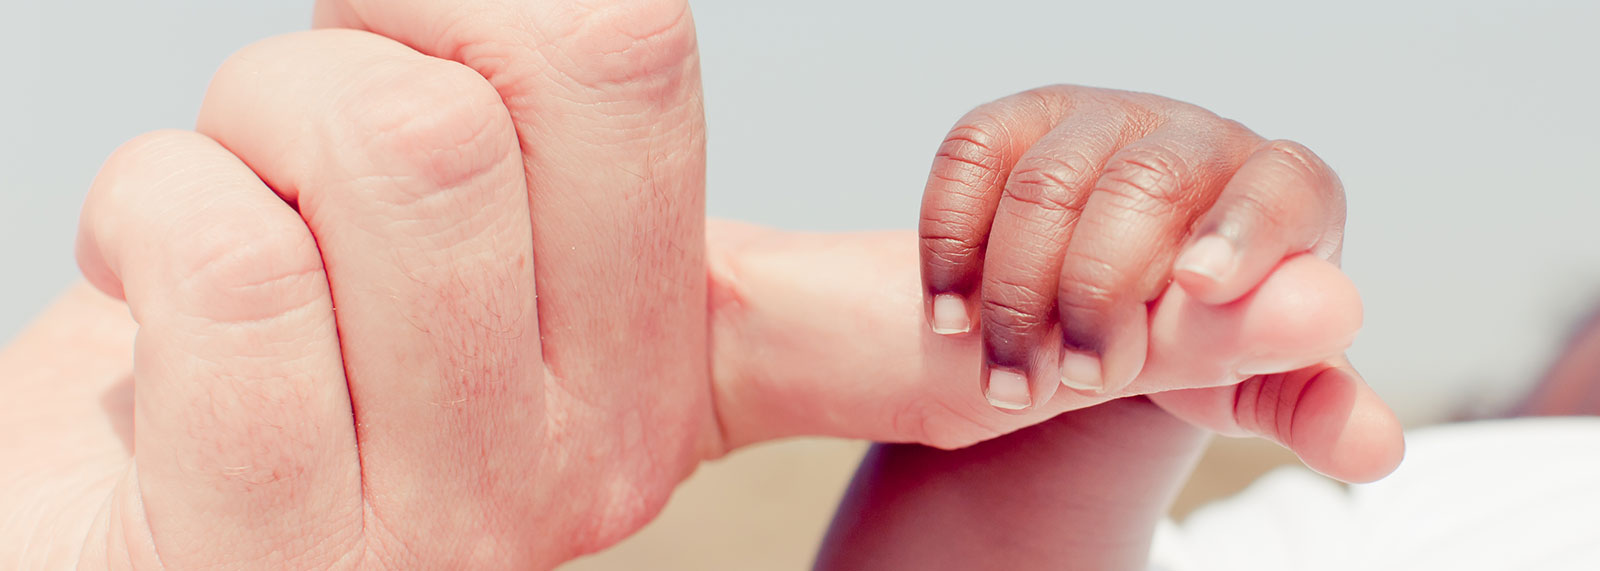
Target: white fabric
[(1503, 495)]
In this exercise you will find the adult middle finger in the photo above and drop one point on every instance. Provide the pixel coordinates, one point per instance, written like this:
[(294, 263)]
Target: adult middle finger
[(407, 171)]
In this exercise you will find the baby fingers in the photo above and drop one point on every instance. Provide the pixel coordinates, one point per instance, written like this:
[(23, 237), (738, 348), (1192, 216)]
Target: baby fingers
[(1283, 200)]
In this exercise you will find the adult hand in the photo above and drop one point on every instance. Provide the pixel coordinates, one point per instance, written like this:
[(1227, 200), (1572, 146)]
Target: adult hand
[(504, 203), (444, 416)]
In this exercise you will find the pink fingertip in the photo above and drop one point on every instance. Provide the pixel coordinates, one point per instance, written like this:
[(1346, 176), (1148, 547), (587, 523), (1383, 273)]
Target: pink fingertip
[(950, 315), (1081, 371), (1008, 390), (1211, 258)]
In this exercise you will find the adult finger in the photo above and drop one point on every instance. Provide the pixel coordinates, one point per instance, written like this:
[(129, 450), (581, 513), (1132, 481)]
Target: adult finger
[(1033, 223), (406, 169), (1305, 312), (245, 448), (1142, 206), (964, 189), (606, 102), (1275, 356), (1326, 414), (1283, 200), (782, 368)]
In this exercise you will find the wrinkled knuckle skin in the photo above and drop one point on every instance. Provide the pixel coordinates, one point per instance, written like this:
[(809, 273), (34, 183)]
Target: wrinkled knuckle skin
[(1087, 290), (634, 42), (1144, 176), (437, 123), (1012, 315), (953, 227), (1260, 213), (147, 155), (238, 270), (971, 157), (231, 264), (1087, 276), (947, 254), (950, 242), (1083, 297), (1049, 182), (1086, 308), (1296, 182), (1297, 156)]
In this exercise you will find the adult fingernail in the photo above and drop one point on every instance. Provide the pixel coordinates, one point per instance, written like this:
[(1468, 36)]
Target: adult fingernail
[(1211, 257), (950, 315), (1080, 370), (1008, 389)]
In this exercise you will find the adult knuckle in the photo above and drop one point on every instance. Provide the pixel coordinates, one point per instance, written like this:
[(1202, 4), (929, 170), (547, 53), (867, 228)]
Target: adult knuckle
[(149, 156), (230, 263), (238, 269), (634, 42), (147, 147), (432, 121)]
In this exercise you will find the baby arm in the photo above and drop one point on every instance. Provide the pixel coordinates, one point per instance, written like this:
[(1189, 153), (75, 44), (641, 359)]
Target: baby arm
[(1081, 491)]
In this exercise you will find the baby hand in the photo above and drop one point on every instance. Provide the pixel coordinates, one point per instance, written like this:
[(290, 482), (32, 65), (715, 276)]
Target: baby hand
[(1063, 214), (1075, 207)]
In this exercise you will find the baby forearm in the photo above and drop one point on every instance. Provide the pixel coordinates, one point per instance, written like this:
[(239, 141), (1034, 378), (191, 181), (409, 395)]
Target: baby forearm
[(1082, 491)]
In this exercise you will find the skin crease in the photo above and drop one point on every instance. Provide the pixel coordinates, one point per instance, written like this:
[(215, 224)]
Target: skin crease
[(910, 384), (430, 200), (42, 358), (1061, 213)]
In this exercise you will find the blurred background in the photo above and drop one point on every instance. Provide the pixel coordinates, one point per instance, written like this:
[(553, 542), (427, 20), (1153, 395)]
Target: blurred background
[(1467, 134)]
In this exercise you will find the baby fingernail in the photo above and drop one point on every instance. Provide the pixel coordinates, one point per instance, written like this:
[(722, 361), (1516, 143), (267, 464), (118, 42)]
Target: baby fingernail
[(1210, 257), (1080, 371), (950, 315), (1008, 389)]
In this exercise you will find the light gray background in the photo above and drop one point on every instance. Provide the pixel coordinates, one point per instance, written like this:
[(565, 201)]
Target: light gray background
[(1465, 133)]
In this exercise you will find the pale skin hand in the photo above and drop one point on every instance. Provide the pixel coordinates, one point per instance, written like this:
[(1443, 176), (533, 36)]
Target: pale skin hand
[(489, 426)]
